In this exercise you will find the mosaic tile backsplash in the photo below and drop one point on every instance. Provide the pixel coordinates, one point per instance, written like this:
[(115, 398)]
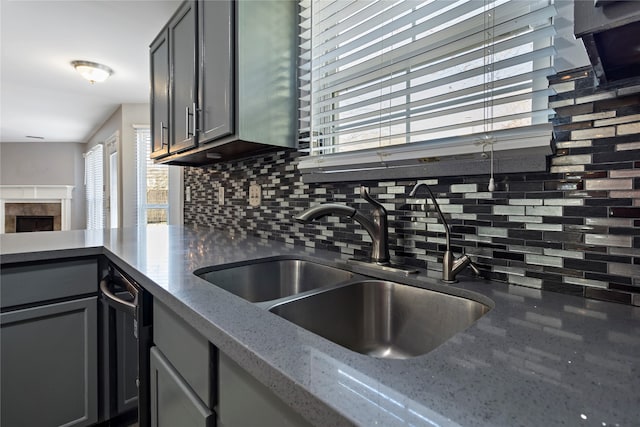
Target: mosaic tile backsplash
[(574, 229)]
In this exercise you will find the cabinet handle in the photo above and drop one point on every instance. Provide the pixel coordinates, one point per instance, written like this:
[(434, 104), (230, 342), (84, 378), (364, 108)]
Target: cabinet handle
[(162, 128), (187, 113), (127, 306), (195, 117)]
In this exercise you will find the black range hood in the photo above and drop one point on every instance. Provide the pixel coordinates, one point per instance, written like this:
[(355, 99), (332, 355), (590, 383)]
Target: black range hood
[(610, 31)]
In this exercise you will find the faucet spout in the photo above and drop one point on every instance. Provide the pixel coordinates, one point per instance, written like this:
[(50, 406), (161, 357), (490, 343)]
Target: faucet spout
[(326, 209), (447, 231), (376, 226)]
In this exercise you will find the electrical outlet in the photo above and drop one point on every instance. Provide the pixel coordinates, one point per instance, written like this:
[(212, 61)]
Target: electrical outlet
[(255, 195), (187, 194), (221, 196)]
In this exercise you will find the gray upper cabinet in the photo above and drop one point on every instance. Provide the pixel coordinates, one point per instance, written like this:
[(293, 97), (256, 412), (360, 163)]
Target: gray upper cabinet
[(159, 66), (232, 88), (216, 69), (183, 78)]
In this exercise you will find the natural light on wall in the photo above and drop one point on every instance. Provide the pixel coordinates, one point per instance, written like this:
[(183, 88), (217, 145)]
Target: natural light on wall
[(393, 82)]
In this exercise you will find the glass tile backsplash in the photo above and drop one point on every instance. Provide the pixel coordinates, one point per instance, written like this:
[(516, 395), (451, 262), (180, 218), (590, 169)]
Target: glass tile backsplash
[(574, 229)]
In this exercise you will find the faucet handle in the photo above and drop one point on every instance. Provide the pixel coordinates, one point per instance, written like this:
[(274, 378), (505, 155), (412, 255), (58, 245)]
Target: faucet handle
[(469, 263), (364, 193), (474, 268)]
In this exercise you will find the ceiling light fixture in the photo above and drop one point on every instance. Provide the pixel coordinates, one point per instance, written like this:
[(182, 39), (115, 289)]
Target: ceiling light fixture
[(92, 71)]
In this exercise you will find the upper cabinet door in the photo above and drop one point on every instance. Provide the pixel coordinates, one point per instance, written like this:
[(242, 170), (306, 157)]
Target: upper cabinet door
[(182, 37), (216, 69), (159, 54)]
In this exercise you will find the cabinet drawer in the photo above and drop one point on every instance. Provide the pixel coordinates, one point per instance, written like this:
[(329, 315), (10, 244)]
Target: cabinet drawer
[(188, 351), (34, 282)]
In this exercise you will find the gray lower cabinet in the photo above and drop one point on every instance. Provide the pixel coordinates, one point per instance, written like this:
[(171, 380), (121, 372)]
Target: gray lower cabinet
[(243, 401), (49, 365), (173, 401), (37, 283), (192, 381)]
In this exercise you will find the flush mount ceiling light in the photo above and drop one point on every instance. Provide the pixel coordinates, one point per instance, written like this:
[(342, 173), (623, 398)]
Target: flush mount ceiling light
[(92, 71)]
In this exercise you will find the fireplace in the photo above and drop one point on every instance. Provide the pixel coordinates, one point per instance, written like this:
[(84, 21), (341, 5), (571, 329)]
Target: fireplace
[(28, 224), (26, 214), (35, 208)]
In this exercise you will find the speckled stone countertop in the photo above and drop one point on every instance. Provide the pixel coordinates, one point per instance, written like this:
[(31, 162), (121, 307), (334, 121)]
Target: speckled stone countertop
[(536, 359)]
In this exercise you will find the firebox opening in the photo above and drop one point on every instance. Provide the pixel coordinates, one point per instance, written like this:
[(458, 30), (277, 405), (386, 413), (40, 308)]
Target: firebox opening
[(28, 223)]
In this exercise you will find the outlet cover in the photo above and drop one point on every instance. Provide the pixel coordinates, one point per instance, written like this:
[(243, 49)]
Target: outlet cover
[(255, 195), (221, 196), (187, 194)]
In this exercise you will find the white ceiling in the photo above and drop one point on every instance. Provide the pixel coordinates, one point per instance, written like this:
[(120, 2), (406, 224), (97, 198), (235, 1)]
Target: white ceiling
[(41, 94)]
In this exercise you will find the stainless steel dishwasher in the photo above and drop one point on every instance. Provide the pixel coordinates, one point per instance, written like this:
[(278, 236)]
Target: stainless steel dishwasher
[(126, 339)]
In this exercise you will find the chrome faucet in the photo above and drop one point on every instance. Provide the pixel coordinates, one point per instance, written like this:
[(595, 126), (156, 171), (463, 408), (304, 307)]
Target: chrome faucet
[(451, 266), (376, 227)]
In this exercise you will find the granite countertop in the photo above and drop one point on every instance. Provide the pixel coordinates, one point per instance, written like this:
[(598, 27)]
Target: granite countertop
[(536, 359)]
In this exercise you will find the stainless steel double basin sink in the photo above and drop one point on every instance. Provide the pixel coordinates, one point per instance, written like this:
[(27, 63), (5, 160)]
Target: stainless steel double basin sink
[(380, 318)]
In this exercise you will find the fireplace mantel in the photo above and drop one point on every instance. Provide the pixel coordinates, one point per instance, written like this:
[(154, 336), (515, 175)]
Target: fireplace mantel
[(37, 194)]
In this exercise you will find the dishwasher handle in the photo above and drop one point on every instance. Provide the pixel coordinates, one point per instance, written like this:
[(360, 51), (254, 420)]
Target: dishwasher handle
[(119, 303)]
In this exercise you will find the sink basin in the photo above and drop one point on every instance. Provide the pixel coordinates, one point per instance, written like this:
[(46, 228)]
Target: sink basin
[(381, 318), (266, 280)]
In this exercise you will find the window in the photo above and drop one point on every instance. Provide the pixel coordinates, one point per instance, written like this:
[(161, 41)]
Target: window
[(388, 83), (153, 183), (94, 187)]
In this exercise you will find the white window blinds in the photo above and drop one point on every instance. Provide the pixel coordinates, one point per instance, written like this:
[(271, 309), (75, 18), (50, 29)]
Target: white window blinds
[(387, 81), (94, 187), (153, 182)]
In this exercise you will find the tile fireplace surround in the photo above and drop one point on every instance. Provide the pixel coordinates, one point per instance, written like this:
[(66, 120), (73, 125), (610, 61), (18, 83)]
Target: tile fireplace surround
[(35, 200)]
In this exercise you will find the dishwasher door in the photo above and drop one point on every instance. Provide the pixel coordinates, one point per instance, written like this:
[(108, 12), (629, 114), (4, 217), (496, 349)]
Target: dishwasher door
[(120, 355), (127, 339)]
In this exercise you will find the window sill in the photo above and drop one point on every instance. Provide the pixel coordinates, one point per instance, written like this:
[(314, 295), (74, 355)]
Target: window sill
[(505, 161)]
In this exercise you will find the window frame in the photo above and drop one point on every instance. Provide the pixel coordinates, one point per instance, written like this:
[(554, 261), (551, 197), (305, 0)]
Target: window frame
[(457, 155)]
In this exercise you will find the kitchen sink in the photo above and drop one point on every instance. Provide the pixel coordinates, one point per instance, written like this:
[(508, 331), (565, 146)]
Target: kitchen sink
[(271, 279), (381, 318)]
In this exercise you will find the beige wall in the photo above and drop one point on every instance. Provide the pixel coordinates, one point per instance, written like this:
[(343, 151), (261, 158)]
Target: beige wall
[(122, 123), (41, 163), (111, 127)]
